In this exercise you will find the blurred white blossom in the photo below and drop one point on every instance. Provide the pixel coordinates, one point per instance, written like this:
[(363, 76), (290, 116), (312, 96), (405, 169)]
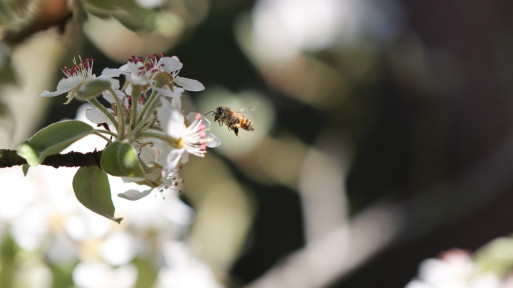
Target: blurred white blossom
[(454, 269), (288, 27)]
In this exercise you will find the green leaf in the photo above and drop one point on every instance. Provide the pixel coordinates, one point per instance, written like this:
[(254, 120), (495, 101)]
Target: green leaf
[(92, 189), (120, 159), (52, 140)]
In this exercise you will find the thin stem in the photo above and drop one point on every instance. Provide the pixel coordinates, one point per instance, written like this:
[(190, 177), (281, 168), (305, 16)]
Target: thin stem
[(136, 94), (98, 133), (107, 132), (141, 126), (104, 110), (121, 113), (164, 137), (149, 103)]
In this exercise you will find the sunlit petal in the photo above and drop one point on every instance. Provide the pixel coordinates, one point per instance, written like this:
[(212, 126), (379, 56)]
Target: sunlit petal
[(111, 72), (47, 93), (170, 64), (214, 142), (67, 84), (96, 116), (174, 157), (174, 125), (134, 194), (189, 84)]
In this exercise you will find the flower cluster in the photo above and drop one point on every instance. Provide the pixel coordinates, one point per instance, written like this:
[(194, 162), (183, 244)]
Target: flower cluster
[(145, 112), (457, 269)]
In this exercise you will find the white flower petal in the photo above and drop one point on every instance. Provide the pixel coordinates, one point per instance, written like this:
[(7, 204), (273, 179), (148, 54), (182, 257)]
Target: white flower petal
[(206, 121), (176, 102), (172, 120), (134, 194), (124, 67), (136, 79), (128, 90), (111, 72), (191, 116), (133, 75), (189, 84), (175, 126), (170, 64), (163, 112), (147, 153), (149, 4), (165, 91), (214, 142), (67, 84), (185, 158), (96, 116), (108, 96), (173, 158), (47, 93)]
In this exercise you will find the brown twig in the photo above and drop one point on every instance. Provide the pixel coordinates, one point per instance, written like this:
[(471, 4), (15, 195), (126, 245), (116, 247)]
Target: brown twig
[(9, 158)]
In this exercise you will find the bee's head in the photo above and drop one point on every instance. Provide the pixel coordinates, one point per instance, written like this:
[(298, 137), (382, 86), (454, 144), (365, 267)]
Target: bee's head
[(217, 113)]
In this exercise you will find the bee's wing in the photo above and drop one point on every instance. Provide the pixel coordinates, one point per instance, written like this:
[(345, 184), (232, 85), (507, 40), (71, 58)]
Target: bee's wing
[(250, 107)]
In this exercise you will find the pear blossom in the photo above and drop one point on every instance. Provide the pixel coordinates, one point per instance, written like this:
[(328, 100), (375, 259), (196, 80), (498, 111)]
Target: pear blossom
[(145, 72), (454, 269), (171, 182), (191, 139), (154, 126), (76, 76)]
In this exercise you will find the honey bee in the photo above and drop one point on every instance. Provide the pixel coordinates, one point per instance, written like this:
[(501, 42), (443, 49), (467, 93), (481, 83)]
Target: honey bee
[(232, 119)]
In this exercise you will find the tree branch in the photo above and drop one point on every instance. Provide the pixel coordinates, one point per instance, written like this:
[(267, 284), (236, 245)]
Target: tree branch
[(9, 158)]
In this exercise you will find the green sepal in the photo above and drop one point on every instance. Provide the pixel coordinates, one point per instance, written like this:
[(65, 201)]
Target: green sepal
[(52, 140), (120, 159), (92, 189), (25, 168)]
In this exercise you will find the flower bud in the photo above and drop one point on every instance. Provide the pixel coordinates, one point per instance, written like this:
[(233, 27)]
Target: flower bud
[(92, 88)]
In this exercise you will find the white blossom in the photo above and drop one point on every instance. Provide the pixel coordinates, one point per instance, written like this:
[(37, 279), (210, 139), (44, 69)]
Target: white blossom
[(75, 76), (191, 139), (139, 71), (454, 269)]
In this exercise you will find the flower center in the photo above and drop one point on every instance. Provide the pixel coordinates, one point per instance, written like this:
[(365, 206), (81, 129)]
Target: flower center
[(180, 143), (149, 65), (84, 68)]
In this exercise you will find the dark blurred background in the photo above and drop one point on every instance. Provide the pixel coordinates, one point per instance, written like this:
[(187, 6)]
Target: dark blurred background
[(382, 133)]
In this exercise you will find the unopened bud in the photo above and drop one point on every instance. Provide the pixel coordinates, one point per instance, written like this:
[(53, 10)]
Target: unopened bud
[(92, 88)]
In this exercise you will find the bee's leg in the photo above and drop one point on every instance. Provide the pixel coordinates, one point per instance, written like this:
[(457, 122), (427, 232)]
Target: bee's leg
[(236, 130)]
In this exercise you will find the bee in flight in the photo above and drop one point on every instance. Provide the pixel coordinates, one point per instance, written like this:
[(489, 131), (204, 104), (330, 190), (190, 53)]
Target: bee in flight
[(232, 119)]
